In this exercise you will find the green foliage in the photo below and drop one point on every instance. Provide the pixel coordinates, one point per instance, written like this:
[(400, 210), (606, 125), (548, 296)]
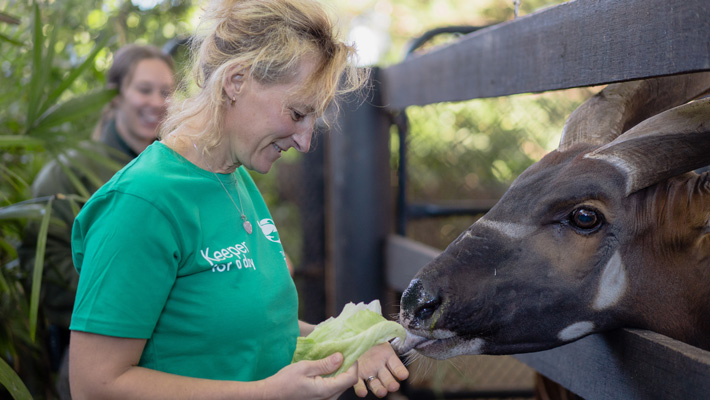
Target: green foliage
[(10, 380), (53, 59), (473, 150), (470, 150)]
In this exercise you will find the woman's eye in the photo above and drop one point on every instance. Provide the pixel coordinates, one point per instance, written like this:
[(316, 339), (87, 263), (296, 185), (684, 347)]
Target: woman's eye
[(297, 115), (585, 218), (144, 90)]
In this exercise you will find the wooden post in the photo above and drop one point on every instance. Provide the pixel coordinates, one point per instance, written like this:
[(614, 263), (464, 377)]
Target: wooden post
[(311, 277), (359, 211)]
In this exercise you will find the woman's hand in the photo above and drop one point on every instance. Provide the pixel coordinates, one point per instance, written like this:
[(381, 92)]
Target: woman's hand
[(384, 365), (304, 380)]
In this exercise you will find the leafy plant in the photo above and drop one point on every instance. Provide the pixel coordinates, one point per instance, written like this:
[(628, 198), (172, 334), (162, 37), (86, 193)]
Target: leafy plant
[(48, 123)]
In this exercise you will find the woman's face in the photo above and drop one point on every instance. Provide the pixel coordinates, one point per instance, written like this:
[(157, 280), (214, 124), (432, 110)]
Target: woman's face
[(264, 122), (141, 105)]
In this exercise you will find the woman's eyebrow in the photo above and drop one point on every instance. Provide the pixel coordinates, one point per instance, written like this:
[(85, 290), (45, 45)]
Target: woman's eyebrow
[(303, 107)]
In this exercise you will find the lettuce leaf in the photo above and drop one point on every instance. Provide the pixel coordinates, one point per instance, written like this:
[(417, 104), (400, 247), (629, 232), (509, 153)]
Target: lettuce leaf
[(357, 328)]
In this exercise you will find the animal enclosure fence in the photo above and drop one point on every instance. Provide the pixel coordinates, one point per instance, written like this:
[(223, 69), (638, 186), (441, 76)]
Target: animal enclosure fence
[(576, 44)]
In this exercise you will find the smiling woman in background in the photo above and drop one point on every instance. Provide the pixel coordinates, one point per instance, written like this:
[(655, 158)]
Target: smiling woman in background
[(143, 78), (181, 294)]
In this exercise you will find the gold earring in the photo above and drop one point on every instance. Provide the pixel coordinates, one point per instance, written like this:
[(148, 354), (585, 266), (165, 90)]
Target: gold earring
[(234, 100)]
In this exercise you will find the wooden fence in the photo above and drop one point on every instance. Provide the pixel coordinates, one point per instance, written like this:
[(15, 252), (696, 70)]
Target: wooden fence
[(575, 44)]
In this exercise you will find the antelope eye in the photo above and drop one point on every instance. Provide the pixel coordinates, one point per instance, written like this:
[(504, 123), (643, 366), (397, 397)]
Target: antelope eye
[(585, 218)]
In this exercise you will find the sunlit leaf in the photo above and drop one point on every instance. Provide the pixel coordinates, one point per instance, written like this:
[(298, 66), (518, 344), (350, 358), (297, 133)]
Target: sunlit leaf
[(39, 268), (75, 73), (73, 108), (10, 251), (13, 383), (4, 287), (103, 159), (22, 210), (19, 141), (35, 91), (75, 181), (74, 201), (5, 38), (44, 72)]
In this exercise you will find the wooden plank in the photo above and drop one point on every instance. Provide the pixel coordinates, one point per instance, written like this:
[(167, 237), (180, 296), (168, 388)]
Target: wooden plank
[(358, 209), (404, 258), (623, 364), (627, 364), (579, 43)]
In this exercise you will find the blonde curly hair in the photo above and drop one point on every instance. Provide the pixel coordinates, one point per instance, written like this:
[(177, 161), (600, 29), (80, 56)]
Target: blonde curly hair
[(267, 38)]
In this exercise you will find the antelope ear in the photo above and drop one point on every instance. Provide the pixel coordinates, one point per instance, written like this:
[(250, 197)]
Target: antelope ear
[(666, 145), (620, 106)]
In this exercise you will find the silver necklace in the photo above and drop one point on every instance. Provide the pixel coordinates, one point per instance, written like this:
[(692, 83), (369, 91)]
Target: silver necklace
[(245, 222)]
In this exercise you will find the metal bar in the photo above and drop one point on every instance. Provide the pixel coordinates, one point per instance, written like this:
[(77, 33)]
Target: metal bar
[(427, 210), (402, 124)]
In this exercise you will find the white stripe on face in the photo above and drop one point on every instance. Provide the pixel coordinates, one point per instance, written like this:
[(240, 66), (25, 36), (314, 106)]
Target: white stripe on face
[(624, 167), (612, 285), (510, 229), (575, 331), (469, 347)]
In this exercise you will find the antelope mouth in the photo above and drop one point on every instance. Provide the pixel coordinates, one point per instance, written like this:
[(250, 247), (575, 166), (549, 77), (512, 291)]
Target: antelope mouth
[(440, 345)]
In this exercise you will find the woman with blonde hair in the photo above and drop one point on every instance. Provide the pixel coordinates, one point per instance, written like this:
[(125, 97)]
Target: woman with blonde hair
[(181, 295)]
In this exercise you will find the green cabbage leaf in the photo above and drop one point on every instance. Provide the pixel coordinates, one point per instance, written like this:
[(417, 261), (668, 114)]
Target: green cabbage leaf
[(358, 328)]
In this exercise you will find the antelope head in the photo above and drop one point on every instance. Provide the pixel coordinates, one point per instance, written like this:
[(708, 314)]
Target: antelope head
[(610, 230)]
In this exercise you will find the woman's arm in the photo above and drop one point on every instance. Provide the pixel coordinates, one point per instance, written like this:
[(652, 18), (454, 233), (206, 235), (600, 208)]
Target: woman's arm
[(305, 328), (105, 367)]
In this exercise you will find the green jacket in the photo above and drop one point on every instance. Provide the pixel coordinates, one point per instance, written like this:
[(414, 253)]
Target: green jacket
[(60, 279)]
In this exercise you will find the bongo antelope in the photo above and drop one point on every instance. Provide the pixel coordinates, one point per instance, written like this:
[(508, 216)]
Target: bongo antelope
[(610, 230)]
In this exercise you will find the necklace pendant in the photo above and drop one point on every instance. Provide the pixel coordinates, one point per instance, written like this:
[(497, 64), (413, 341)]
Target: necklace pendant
[(247, 226)]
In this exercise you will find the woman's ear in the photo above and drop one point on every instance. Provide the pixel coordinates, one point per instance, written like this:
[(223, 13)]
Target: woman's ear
[(234, 79), (116, 101)]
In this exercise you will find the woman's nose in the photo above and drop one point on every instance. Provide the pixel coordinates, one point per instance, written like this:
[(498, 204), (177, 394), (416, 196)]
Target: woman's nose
[(302, 137), (156, 99)]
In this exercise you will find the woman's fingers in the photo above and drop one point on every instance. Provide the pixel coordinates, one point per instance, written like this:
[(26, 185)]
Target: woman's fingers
[(325, 366), (381, 370), (389, 382), (376, 385), (395, 365), (360, 388)]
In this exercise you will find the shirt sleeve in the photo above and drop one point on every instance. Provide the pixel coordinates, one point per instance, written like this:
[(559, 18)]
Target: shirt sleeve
[(126, 251)]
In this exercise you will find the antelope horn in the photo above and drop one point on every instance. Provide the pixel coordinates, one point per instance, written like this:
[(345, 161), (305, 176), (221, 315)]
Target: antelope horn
[(620, 106), (666, 145)]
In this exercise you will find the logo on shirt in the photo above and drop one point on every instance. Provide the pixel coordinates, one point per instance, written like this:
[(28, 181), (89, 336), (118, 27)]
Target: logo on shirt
[(228, 258), (269, 230)]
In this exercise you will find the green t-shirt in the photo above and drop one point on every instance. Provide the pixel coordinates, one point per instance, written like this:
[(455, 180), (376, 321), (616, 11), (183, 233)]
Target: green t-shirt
[(162, 255)]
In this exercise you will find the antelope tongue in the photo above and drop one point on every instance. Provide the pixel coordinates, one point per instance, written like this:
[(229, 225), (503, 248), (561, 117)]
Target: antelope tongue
[(412, 341)]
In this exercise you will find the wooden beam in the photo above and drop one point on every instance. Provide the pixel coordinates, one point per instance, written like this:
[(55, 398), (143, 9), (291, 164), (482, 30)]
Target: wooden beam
[(579, 43), (404, 258), (623, 364), (358, 209), (626, 364)]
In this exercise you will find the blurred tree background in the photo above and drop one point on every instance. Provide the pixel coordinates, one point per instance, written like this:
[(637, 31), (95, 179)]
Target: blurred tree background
[(54, 55), (462, 151)]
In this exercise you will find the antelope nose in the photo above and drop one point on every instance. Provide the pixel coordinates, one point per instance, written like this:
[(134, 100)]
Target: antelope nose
[(418, 304)]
